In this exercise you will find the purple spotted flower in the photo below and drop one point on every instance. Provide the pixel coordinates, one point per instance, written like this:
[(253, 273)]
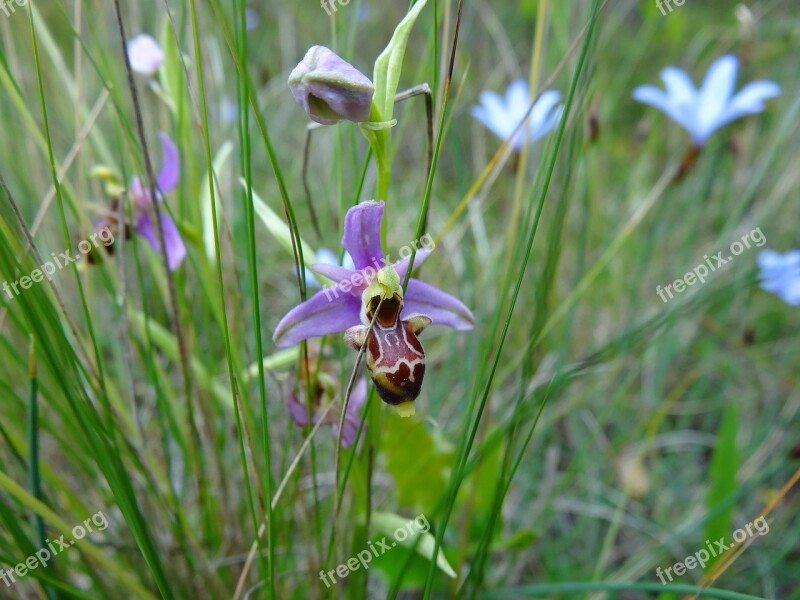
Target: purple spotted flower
[(167, 181), (337, 308)]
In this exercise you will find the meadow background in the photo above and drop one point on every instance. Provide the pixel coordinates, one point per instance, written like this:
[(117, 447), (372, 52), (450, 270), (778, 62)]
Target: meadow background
[(582, 435)]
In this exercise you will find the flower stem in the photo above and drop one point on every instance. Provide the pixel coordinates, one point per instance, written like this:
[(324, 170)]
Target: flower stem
[(382, 193)]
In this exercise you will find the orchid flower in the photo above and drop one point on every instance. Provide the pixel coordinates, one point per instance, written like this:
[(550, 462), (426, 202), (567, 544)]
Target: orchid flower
[(701, 112), (326, 256), (780, 274), (167, 181), (298, 409), (144, 54), (502, 115), (337, 308)]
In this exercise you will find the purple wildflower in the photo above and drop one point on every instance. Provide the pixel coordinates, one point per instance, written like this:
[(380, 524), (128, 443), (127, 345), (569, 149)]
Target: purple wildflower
[(337, 308), (167, 181)]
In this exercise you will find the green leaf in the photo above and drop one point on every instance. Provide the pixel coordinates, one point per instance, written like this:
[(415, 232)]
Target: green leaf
[(418, 537), (724, 465), (279, 229), (417, 462), (518, 540), (171, 70), (386, 75)]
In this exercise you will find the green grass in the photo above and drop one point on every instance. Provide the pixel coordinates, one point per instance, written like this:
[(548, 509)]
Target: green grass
[(584, 434)]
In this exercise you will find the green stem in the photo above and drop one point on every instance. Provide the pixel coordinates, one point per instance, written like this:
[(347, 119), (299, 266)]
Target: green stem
[(382, 192)]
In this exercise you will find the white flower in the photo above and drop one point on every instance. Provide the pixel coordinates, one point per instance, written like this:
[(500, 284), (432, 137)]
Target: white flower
[(145, 54), (501, 116), (780, 274), (703, 111)]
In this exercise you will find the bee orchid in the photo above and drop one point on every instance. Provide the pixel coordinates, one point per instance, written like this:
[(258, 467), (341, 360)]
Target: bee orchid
[(395, 357), (352, 302), (166, 181), (336, 308), (702, 111)]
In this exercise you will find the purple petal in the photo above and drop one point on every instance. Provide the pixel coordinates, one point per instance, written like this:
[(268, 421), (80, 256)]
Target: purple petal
[(140, 195), (442, 308), (330, 310), (329, 88), (145, 54), (297, 410), (362, 233), (170, 165), (176, 250), (333, 272), (401, 266)]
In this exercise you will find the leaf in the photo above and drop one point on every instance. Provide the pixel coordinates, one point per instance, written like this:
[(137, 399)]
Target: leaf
[(519, 540), (279, 229), (171, 71), (416, 461), (724, 465), (419, 538), (386, 75)]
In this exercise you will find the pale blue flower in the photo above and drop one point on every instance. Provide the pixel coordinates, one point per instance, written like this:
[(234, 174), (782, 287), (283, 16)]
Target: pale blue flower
[(780, 274), (502, 115), (702, 111)]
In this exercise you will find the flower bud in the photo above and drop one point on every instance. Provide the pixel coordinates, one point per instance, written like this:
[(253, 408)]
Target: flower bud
[(330, 89)]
